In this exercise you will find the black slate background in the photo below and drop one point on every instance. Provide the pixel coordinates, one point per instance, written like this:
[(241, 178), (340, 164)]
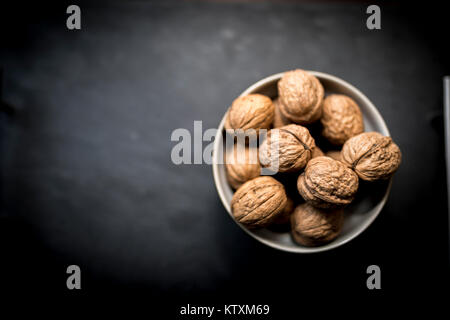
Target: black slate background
[(86, 175)]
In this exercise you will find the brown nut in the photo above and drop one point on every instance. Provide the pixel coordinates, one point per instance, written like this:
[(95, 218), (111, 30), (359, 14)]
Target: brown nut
[(285, 215), (287, 149), (317, 152), (253, 111), (279, 120), (327, 183), (341, 119), (312, 226), (241, 165), (301, 96), (372, 156), (258, 202), (334, 154)]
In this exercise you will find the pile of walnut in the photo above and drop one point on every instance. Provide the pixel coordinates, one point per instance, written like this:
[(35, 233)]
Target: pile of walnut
[(326, 182)]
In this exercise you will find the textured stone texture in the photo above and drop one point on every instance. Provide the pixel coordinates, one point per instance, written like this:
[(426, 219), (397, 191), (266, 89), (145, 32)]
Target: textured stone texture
[(86, 171)]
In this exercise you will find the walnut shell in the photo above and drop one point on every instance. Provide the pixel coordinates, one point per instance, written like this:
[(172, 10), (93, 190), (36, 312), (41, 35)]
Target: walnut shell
[(242, 165), (279, 120), (317, 152), (285, 215), (293, 146), (253, 111), (341, 119), (327, 183), (372, 156), (313, 226), (258, 202), (334, 154), (301, 96)]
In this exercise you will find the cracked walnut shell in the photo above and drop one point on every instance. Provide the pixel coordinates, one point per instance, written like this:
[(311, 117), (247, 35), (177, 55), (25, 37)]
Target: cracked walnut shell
[(313, 226), (372, 156), (301, 95), (258, 202), (341, 119), (241, 165), (253, 111), (287, 149), (327, 183)]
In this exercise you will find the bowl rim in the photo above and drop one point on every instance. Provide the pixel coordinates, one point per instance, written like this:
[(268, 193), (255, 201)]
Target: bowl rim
[(300, 249)]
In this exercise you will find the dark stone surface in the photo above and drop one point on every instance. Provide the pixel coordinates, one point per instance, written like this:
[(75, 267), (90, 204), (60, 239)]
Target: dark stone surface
[(86, 175)]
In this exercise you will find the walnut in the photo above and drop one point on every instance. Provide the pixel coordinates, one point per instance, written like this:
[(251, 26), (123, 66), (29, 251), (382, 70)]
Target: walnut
[(341, 119), (334, 154), (279, 120), (258, 202), (327, 183), (301, 96), (253, 111), (241, 165), (317, 152), (289, 148), (372, 156), (313, 226), (285, 215)]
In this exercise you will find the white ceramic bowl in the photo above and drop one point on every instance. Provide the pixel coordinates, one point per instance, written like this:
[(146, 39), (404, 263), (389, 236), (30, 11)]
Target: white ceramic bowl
[(370, 199)]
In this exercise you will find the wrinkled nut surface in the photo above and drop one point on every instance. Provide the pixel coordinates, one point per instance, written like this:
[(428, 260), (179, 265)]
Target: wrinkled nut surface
[(241, 165), (317, 152), (334, 154), (258, 202), (253, 111), (285, 215), (372, 156), (287, 149), (341, 119), (301, 96), (327, 183), (279, 120), (313, 226)]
